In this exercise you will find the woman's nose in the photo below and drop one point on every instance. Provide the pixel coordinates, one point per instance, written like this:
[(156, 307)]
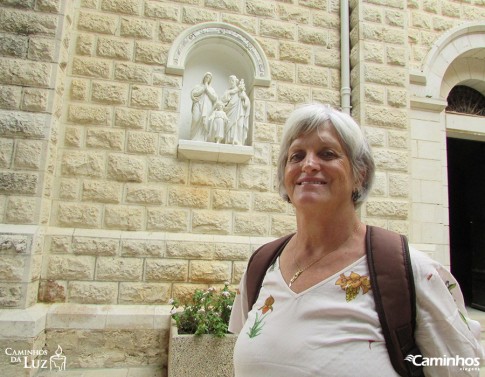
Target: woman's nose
[(310, 162)]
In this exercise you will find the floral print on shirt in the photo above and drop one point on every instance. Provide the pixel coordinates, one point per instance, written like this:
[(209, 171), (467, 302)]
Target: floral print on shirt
[(256, 328), (352, 284)]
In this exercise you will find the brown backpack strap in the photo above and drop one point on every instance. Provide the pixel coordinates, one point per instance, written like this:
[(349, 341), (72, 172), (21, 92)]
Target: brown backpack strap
[(259, 263), (392, 282)]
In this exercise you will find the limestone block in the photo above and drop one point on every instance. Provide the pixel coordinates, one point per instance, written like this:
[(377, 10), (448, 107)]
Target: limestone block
[(142, 142), (12, 268), (141, 248), (87, 114), (105, 139), (143, 194), (232, 200), (25, 73), (260, 8), (326, 20), (376, 136), (297, 14), (238, 271), (85, 44), (190, 250), (79, 89), (144, 293), (10, 96), (192, 197), (399, 139), (229, 251), (268, 202), (330, 96), (25, 23), (130, 118), (278, 112), (397, 97), (391, 160), (97, 22), (126, 168), (293, 94), (169, 81), (386, 209), (399, 185), (313, 36), (119, 49), (124, 217), (210, 271), (166, 270), (269, 46), (42, 49), (421, 20), (95, 246), (35, 99), (21, 210), (11, 296), (13, 45), (170, 220), (282, 224), (168, 31), (197, 15), (6, 152), (69, 188), (211, 222), (101, 191), (295, 52), (151, 53), (146, 97), (372, 14), (171, 99), (137, 28), (250, 24), (51, 6), (282, 71), (168, 145), (18, 183), (373, 52), (379, 187), (67, 267), (374, 94), (119, 269), (166, 170), (109, 93), (183, 292), (397, 18), (51, 291), (213, 175), (277, 29), (122, 6), (91, 67), (378, 116), (396, 56), (82, 215), (255, 178), (101, 293), (58, 244), (162, 11), (29, 154), (262, 153), (74, 136), (251, 224), (86, 163), (265, 132)]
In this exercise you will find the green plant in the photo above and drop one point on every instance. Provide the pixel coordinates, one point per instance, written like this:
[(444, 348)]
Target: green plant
[(207, 312)]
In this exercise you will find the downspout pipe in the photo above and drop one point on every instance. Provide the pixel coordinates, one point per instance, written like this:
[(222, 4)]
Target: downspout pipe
[(345, 57)]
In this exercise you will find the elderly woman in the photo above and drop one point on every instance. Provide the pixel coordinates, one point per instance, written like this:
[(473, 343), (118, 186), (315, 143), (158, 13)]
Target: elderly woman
[(303, 323)]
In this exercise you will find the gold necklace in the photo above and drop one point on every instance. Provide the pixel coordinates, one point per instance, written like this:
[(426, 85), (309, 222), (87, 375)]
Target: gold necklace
[(300, 270)]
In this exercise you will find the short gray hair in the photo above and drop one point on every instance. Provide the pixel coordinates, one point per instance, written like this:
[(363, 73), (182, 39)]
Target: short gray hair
[(308, 118)]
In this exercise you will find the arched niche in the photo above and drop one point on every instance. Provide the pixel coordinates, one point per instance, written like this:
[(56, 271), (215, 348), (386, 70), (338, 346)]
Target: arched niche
[(223, 50)]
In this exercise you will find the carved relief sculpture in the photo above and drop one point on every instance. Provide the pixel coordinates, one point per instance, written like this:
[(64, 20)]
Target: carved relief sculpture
[(237, 109), (218, 124)]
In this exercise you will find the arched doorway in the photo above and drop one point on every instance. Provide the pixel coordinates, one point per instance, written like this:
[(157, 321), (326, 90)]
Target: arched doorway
[(466, 191)]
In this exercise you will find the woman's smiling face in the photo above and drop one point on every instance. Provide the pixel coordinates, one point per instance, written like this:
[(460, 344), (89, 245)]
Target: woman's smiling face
[(318, 170)]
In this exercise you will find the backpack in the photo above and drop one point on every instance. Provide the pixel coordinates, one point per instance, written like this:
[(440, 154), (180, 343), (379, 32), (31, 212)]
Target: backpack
[(392, 284)]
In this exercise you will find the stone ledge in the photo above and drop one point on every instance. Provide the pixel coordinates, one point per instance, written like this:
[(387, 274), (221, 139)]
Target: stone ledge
[(205, 151)]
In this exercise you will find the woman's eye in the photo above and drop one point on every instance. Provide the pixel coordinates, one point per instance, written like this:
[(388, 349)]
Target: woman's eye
[(328, 155), (296, 157)]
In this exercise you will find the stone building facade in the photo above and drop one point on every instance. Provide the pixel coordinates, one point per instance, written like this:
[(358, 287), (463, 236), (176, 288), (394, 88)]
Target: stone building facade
[(106, 213)]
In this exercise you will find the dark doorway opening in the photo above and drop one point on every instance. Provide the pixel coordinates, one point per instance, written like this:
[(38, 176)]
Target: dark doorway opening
[(466, 194)]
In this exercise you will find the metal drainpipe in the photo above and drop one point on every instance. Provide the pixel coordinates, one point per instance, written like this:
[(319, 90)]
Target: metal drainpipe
[(345, 57)]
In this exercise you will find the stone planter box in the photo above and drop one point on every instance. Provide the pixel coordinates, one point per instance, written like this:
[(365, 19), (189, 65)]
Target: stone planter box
[(200, 356)]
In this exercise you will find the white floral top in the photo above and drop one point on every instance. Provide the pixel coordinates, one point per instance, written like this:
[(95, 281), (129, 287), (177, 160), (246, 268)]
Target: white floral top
[(332, 328)]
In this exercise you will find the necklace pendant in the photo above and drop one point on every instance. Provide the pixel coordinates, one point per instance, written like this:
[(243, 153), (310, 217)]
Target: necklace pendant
[(295, 276)]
